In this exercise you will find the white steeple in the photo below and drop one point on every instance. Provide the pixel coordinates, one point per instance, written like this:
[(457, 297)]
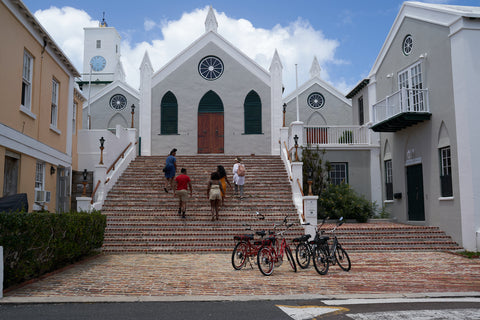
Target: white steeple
[(211, 23), (145, 123), (315, 68)]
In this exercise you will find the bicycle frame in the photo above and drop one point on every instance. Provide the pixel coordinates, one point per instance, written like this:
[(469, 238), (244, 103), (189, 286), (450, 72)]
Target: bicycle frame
[(271, 254)]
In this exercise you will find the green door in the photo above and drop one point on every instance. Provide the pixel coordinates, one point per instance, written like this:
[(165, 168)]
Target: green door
[(416, 209)]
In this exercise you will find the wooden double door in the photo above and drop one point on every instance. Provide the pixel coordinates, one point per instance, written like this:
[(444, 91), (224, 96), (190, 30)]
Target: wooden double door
[(210, 132)]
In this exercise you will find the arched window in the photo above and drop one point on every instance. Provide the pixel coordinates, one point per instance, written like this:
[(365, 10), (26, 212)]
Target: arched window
[(252, 109), (210, 102), (169, 114)]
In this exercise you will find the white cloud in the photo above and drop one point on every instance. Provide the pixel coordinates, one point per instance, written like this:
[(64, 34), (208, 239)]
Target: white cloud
[(297, 43), (149, 24), (65, 26)]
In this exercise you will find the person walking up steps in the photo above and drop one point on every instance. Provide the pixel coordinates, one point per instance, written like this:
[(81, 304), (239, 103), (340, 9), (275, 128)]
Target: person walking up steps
[(239, 176), (223, 181), (170, 169), (214, 194), (182, 182)]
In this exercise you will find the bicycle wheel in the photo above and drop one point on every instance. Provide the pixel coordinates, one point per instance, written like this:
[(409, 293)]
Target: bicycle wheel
[(302, 253), (290, 258), (239, 255), (342, 258), (265, 260), (320, 260)]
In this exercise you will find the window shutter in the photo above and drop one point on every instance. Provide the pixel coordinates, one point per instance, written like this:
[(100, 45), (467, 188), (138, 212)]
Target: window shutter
[(169, 114), (253, 113)]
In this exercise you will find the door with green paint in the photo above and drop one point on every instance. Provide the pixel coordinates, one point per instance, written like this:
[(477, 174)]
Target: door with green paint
[(416, 206)]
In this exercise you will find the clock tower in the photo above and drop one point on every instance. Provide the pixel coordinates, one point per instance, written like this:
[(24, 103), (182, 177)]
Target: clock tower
[(101, 58)]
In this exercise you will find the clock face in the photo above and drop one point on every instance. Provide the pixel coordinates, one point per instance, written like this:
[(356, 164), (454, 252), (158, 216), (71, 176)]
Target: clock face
[(210, 68), (118, 102), (98, 63), (316, 100)]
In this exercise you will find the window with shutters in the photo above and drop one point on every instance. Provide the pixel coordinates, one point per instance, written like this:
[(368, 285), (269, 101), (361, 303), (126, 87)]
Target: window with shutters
[(252, 109), (169, 114)]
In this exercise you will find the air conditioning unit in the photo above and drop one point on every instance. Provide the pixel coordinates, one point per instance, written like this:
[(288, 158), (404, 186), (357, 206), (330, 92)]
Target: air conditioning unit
[(42, 196)]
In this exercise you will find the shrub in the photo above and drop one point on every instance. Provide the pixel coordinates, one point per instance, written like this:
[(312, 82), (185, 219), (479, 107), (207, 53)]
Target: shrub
[(341, 201), (347, 137), (37, 243)]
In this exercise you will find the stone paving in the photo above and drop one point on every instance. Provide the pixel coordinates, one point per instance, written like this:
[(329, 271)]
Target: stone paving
[(212, 275)]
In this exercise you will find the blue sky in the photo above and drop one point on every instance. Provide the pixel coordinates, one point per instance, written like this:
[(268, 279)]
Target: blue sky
[(344, 35)]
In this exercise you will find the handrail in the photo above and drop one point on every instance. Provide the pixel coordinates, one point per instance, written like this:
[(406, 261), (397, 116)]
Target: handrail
[(121, 155), (300, 187), (288, 152), (94, 191)]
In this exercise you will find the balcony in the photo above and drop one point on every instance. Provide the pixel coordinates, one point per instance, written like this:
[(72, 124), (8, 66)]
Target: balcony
[(402, 109), (337, 135)]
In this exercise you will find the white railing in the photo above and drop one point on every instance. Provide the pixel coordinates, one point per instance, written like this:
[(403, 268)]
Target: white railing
[(336, 135), (404, 100)]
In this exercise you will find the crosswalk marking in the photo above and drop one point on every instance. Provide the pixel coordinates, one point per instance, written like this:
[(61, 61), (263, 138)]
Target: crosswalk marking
[(450, 314), (309, 312)]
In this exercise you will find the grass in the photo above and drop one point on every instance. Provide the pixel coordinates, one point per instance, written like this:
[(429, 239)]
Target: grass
[(469, 254)]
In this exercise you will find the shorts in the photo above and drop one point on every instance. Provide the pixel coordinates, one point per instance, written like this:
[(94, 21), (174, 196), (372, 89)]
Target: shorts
[(182, 194), (215, 194)]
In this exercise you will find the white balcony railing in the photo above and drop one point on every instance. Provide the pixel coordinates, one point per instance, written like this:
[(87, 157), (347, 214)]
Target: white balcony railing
[(404, 100), (336, 135)]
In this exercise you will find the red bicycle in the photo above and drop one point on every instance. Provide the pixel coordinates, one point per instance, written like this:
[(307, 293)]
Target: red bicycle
[(244, 249), (271, 254)]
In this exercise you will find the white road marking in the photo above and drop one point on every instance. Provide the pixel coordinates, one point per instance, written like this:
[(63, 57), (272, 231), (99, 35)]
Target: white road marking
[(396, 300), (308, 312), (450, 314)]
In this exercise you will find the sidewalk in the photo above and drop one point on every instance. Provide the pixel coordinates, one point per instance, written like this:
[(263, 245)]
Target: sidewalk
[(177, 277)]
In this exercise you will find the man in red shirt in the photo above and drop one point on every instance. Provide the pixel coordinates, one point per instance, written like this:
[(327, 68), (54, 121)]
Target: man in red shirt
[(182, 182)]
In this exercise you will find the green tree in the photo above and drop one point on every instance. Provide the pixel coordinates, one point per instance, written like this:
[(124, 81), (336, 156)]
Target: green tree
[(315, 168)]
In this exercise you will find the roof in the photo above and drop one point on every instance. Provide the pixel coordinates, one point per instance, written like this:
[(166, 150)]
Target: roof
[(444, 15), (43, 34), (362, 84)]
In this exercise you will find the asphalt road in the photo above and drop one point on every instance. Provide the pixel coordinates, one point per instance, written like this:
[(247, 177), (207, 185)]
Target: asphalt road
[(371, 309)]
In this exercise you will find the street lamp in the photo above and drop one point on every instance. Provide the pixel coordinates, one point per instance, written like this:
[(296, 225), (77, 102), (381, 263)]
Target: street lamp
[(102, 141), (84, 182), (133, 112), (284, 110)]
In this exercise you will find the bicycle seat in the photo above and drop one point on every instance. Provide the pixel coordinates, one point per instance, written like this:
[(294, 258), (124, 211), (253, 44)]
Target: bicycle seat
[(261, 233), (243, 237), (303, 238)]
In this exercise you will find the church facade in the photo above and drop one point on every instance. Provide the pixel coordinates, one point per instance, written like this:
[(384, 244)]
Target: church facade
[(210, 99)]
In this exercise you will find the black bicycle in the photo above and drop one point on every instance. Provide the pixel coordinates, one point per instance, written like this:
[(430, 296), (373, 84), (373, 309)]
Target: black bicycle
[(325, 254), (305, 250)]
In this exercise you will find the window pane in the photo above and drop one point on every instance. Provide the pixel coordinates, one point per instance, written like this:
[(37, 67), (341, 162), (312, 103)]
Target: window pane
[(338, 173), (446, 172)]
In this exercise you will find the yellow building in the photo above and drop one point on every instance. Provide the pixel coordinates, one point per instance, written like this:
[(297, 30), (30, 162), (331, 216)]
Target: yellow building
[(40, 112)]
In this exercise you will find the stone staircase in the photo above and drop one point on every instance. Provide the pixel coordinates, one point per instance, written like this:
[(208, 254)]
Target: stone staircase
[(141, 217)]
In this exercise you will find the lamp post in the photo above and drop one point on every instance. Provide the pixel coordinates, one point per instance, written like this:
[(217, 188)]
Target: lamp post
[(84, 182), (102, 141), (284, 110), (133, 112), (296, 147), (310, 181)]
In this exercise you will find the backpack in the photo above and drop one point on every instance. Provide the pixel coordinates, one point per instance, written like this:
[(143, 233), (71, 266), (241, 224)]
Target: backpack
[(241, 170)]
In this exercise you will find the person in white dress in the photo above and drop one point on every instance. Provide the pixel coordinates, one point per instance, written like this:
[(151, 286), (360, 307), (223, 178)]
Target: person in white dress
[(239, 176)]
